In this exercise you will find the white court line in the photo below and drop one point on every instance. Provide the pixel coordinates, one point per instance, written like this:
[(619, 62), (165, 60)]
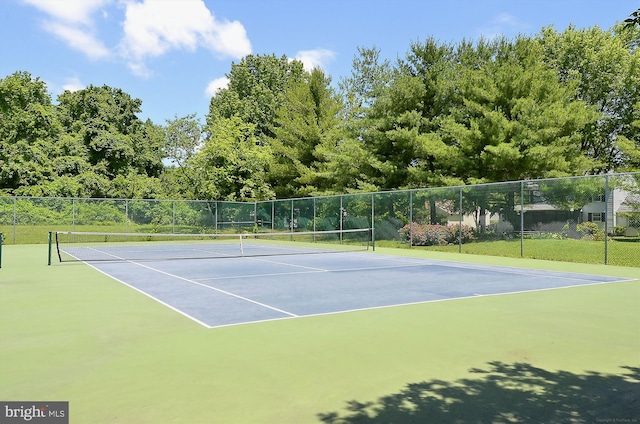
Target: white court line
[(216, 289), (546, 273), (253, 258), (173, 308), (311, 270), (416, 262), (448, 299), (275, 274), (196, 283)]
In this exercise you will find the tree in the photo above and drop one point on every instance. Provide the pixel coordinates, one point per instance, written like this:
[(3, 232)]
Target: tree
[(28, 131), (605, 66), (369, 77), (306, 129), (633, 20), (107, 141), (403, 119), (515, 119), (102, 119), (183, 137), (232, 164), (256, 90)]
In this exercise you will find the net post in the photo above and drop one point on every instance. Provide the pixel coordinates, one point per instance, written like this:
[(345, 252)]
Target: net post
[(49, 255)]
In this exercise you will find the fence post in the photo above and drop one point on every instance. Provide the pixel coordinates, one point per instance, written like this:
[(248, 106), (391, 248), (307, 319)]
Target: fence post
[(522, 219), (255, 214), (273, 215), (460, 223), (410, 218), (73, 213), (341, 216), (606, 219), (15, 219), (373, 225), (291, 228)]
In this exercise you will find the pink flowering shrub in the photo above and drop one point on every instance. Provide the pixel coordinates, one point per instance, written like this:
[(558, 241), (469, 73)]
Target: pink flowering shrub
[(435, 235)]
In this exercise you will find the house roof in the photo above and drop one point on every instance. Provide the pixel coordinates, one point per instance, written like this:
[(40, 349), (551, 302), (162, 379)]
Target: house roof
[(630, 204)]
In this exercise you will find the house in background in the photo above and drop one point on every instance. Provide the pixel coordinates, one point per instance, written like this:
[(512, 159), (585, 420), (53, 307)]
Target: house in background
[(627, 214), (622, 210)]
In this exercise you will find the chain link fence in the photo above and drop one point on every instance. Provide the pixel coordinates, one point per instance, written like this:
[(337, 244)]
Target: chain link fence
[(593, 219)]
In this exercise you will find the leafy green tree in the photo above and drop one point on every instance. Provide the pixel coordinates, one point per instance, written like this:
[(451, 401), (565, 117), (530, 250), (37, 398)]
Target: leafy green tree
[(306, 130), (515, 119), (232, 164), (183, 137), (484, 112), (257, 86), (349, 164), (605, 65), (104, 140), (633, 20), (345, 165), (402, 120), (369, 77), (28, 132), (103, 119)]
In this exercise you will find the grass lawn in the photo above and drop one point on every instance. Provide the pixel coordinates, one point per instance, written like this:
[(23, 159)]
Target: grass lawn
[(567, 250), (68, 332)]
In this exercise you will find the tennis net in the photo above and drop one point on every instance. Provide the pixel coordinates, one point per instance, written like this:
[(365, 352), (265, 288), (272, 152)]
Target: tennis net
[(95, 246)]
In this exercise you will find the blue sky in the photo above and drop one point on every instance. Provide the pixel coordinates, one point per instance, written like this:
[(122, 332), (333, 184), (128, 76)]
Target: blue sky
[(173, 54)]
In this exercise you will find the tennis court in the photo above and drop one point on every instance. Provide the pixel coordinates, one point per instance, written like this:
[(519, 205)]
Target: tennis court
[(73, 334), (212, 284)]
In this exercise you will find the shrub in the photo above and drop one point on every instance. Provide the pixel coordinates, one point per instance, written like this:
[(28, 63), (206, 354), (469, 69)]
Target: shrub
[(619, 231), (590, 231), (435, 235)]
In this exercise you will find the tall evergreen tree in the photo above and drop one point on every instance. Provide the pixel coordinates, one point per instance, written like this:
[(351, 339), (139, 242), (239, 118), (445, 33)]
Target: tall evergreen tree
[(306, 123)]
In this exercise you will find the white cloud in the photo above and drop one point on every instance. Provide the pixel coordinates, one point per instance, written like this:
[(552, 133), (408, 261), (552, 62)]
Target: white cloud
[(71, 22), (229, 39), (315, 58), (151, 29), (77, 12), (503, 24), (73, 84), (154, 27), (215, 85), (79, 39)]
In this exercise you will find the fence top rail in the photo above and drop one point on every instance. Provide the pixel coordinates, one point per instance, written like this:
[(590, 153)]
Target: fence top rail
[(466, 186), (402, 191)]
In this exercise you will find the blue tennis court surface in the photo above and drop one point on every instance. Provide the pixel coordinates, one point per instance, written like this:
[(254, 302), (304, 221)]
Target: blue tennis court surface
[(220, 292)]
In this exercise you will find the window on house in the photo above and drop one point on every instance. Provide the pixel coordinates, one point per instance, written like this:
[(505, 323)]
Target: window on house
[(595, 217)]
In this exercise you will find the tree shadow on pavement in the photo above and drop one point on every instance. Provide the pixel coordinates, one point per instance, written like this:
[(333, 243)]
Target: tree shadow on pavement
[(506, 393)]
